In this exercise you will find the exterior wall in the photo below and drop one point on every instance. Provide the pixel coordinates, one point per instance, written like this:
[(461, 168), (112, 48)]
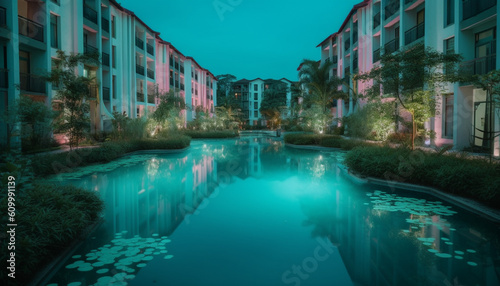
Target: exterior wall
[(373, 38), (134, 59)]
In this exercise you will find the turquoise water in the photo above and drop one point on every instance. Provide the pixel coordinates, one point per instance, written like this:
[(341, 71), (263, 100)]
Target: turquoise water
[(253, 212)]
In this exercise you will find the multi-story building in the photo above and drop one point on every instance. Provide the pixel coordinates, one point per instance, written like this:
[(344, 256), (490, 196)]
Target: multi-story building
[(250, 94), (467, 27), (135, 62)]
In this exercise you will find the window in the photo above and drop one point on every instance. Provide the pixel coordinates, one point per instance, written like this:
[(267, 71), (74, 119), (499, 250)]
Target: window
[(256, 105), (54, 31), (255, 87), (113, 56), (450, 12), (255, 114), (448, 117), (55, 86), (114, 87), (449, 48), (113, 26), (256, 96)]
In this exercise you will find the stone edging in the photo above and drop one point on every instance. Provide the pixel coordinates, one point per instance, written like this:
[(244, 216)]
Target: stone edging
[(313, 147), (465, 203)]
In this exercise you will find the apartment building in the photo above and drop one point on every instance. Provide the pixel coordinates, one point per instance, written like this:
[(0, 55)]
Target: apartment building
[(135, 61), (467, 27), (250, 94)]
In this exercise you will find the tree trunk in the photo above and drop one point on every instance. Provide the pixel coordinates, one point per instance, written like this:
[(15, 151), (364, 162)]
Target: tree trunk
[(413, 131)]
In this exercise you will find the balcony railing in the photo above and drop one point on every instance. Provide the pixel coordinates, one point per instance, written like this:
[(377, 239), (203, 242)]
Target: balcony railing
[(150, 49), (391, 46), (151, 98), (176, 65), (31, 29), (472, 8), (414, 33), (106, 94), (151, 73), (139, 43), (409, 1), (3, 17), (391, 8), (105, 59), (4, 78), (347, 44), (335, 59), (105, 24), (140, 97), (139, 69), (182, 69), (89, 13), (376, 55), (32, 83), (89, 49), (479, 66), (376, 20)]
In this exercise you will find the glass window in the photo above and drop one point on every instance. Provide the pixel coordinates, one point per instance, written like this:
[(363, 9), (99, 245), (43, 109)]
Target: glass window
[(255, 87), (255, 113), (54, 31), (450, 12), (256, 96), (113, 56), (113, 26), (448, 117), (449, 48), (256, 105)]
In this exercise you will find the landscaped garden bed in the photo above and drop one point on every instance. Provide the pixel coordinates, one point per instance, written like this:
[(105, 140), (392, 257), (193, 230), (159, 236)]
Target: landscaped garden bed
[(198, 134)]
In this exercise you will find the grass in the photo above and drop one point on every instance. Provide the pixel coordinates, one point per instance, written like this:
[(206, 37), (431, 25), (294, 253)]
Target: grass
[(331, 141), (455, 174), (49, 164), (198, 134), (49, 218)]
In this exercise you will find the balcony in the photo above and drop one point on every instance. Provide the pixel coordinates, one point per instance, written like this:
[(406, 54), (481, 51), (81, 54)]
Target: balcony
[(479, 66), (409, 2), (176, 65), (105, 59), (376, 20), (151, 73), (182, 86), (391, 8), (354, 37), (4, 78), (171, 81), (414, 33), (139, 69), (355, 64), (376, 55), (391, 46), (139, 43), (105, 24), (31, 29), (335, 59), (93, 91), (182, 69), (151, 98), (347, 44), (106, 94), (89, 14), (171, 62), (140, 97), (89, 49), (3, 17), (472, 8), (150, 49), (32, 83)]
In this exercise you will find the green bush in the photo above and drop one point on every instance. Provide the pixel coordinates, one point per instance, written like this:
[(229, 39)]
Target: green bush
[(49, 219), (332, 141), (453, 174), (211, 134), (49, 164), (374, 121)]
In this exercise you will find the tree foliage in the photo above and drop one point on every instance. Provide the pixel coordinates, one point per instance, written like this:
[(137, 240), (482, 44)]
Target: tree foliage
[(273, 104), (167, 113), (225, 91), (73, 94)]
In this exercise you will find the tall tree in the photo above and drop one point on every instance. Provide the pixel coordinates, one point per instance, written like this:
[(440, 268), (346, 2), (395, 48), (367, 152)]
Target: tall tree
[(274, 102), (224, 90), (73, 94), (413, 76), (169, 109)]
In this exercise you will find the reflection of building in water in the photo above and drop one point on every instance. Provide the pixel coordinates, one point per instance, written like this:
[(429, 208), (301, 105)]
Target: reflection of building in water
[(383, 247), (155, 197)]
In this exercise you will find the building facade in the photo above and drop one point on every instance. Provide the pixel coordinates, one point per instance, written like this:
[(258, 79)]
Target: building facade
[(466, 27), (135, 63), (250, 94)]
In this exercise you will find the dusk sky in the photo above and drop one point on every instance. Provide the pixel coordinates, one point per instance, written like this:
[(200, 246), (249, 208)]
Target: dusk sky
[(246, 38)]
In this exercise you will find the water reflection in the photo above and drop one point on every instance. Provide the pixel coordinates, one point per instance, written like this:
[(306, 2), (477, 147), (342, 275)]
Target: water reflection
[(383, 238)]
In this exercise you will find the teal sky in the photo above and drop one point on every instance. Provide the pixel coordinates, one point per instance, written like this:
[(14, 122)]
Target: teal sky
[(246, 38)]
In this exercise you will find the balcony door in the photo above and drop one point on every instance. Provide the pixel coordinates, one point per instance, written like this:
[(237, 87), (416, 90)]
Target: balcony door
[(485, 51)]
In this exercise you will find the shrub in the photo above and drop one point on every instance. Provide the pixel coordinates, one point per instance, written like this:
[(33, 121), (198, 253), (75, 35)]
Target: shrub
[(211, 134), (453, 174), (374, 121)]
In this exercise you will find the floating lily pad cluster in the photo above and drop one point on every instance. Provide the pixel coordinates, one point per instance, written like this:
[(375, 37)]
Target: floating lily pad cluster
[(118, 261), (423, 210)]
